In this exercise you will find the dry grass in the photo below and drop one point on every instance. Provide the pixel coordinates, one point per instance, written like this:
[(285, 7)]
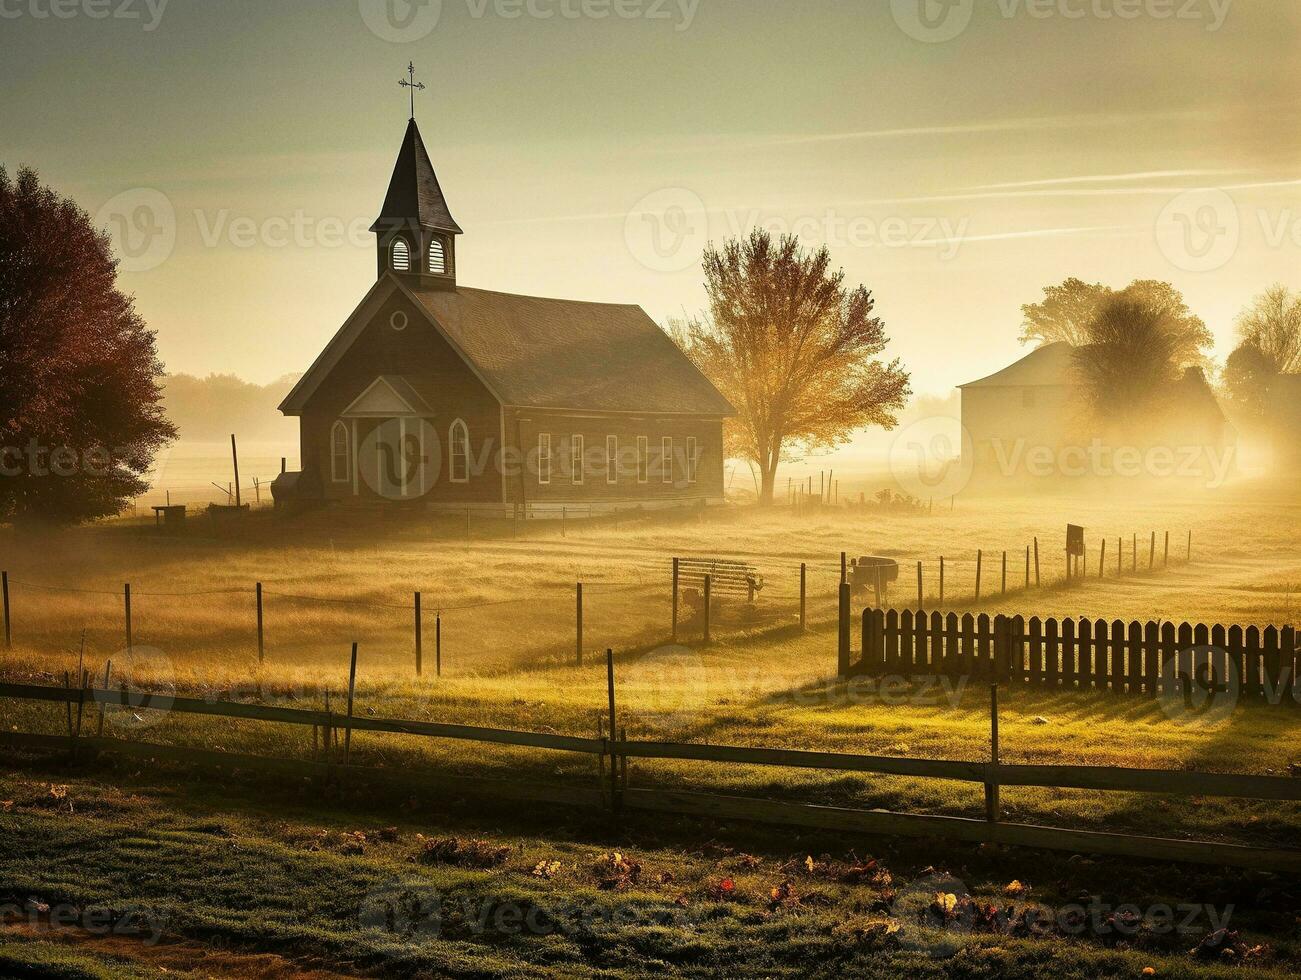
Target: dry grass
[(509, 640)]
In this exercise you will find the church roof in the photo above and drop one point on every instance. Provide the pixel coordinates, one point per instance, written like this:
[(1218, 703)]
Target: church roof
[(1047, 365), (532, 352), (557, 353), (413, 191)]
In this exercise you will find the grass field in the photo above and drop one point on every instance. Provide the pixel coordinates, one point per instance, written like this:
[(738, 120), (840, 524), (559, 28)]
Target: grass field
[(508, 643)]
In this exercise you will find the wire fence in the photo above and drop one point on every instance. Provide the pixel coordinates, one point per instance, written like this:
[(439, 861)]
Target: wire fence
[(640, 604)]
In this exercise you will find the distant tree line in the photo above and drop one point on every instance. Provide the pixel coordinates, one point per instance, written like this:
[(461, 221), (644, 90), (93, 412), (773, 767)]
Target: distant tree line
[(1131, 342), (211, 408)]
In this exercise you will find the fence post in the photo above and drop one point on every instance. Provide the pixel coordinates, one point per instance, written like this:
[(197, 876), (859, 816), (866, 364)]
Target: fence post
[(352, 687), (941, 581), (675, 600), (708, 604), (579, 638), (438, 645), (921, 595), (564, 520), (420, 645), (4, 585), (1190, 546), (842, 650), (991, 785), (804, 582), (844, 566), (1165, 563), (261, 639), (1102, 557), (1005, 573), (979, 558), (1151, 555), (1036, 561), (1027, 566), (615, 800), (126, 598), (108, 673)]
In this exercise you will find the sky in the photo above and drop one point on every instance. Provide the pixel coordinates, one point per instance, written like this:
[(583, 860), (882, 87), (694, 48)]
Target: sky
[(956, 156)]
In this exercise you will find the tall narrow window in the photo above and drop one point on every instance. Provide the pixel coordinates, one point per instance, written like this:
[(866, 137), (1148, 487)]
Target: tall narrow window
[(576, 459), (643, 459), (691, 459), (458, 448), (340, 468), (666, 459), (612, 459), (544, 457), (437, 257), (401, 255)]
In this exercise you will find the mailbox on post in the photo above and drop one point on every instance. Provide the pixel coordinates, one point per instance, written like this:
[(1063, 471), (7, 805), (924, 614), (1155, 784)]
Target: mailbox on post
[(873, 573)]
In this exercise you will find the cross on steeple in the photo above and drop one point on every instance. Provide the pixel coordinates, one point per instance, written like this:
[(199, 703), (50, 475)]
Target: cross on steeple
[(410, 83)]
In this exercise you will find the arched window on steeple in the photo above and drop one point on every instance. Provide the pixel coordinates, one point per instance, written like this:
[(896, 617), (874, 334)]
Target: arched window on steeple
[(401, 255), (437, 256)]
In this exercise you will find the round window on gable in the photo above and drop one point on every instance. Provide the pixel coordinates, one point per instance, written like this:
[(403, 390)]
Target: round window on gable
[(401, 255), (398, 321)]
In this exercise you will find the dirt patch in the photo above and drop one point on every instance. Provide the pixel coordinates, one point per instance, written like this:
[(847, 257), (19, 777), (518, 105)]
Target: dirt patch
[(180, 956)]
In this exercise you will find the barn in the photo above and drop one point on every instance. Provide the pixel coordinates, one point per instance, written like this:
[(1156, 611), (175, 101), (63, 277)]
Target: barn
[(434, 394), (1027, 422)]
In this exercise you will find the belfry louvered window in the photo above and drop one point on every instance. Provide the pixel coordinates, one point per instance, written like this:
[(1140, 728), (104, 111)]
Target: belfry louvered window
[(437, 257), (401, 255)]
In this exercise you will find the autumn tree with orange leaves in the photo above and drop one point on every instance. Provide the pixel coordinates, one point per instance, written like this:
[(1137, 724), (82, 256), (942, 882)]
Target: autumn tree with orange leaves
[(793, 349)]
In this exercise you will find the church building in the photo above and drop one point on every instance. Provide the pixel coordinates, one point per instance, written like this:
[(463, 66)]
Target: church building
[(437, 395)]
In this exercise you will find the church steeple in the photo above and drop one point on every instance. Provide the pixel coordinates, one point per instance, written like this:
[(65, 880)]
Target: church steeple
[(416, 233)]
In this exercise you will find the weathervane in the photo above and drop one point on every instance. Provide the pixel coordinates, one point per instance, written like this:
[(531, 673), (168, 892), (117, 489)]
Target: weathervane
[(412, 84)]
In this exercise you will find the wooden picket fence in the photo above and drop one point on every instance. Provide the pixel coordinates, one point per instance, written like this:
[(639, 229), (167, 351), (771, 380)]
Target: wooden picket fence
[(1148, 659)]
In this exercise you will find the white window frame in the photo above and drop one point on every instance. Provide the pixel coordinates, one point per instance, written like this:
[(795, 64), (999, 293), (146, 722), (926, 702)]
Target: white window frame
[(544, 458), (666, 459), (643, 459), (393, 254), (612, 460), (460, 427), (691, 459), (576, 460), (337, 475)]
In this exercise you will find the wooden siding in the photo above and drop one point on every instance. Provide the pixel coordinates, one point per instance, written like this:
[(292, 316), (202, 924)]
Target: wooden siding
[(452, 390)]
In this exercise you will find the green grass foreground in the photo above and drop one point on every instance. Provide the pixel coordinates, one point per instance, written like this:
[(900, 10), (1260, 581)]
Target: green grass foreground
[(250, 879)]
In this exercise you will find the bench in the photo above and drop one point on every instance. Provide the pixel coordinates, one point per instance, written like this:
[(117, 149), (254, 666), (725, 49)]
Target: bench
[(169, 515), (725, 577)]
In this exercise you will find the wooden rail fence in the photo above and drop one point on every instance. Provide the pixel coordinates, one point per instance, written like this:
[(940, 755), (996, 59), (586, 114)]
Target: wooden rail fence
[(1149, 659), (613, 749)]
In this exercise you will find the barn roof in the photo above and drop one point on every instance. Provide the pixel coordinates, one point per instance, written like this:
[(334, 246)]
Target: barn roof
[(413, 191), (1047, 365), (532, 352)]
